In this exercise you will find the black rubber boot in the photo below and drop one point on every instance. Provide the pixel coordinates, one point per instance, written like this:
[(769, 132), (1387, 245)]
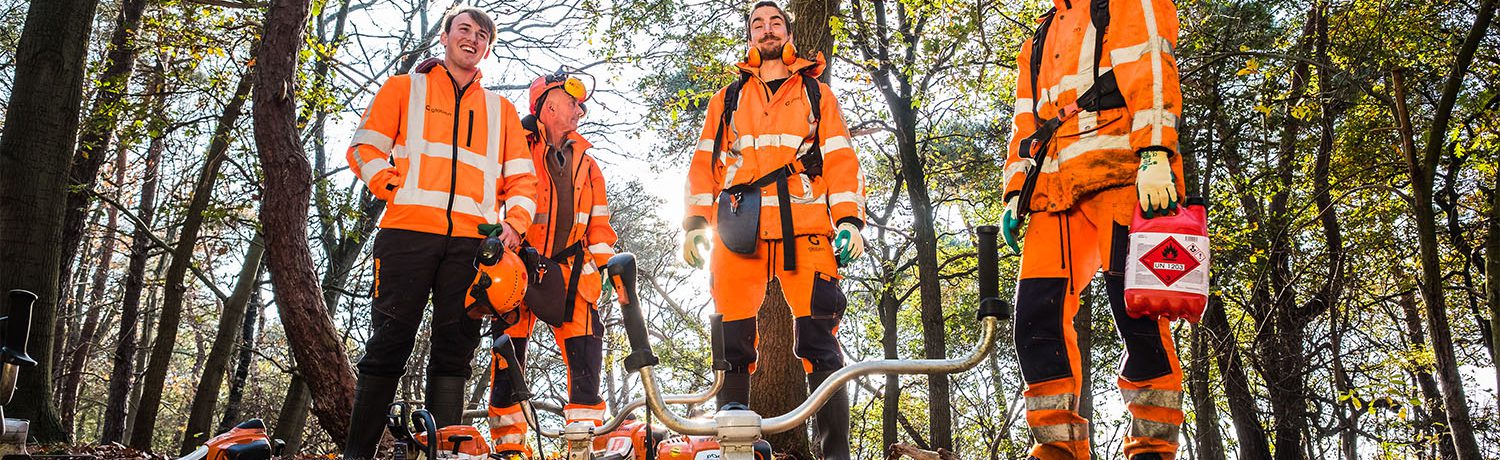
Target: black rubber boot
[(1146, 456), (372, 400), (445, 399), (831, 427), (736, 389)]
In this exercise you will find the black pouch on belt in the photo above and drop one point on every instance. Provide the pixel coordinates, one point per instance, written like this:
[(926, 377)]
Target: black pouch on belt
[(548, 296), (739, 218)]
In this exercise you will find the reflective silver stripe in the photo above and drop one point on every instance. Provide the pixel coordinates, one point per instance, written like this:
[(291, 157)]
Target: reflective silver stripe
[(1149, 429), (504, 420), (1062, 432), (367, 170), (1084, 145), (1153, 118), (581, 413), (580, 218), (769, 140), (601, 248), (522, 166), (599, 211), (768, 202), (1132, 53), (1158, 398), (1158, 100), (416, 119), (846, 197), (1023, 107), (1065, 401), (706, 145), (373, 138), (522, 202), (1018, 167), (835, 143), (701, 199), (492, 166)]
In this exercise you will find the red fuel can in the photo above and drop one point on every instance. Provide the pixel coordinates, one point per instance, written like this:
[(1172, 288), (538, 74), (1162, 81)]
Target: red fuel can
[(1166, 273)]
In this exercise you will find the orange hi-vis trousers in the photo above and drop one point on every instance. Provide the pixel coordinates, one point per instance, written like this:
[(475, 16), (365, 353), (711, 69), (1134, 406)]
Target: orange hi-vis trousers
[(1063, 250), (812, 290), (581, 342)]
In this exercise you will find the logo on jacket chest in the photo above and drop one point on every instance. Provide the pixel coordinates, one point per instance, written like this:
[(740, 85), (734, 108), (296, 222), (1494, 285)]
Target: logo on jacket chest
[(439, 111)]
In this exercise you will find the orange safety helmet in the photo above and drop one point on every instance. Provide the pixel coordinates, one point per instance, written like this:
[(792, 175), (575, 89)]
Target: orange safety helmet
[(568, 81), (500, 283)]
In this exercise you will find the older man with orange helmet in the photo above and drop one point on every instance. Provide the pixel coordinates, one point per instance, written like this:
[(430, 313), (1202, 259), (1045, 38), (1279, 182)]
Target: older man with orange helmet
[(573, 234), (447, 156)]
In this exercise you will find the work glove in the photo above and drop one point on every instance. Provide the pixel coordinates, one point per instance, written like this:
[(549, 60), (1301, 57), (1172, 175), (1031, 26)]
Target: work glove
[(385, 183), (605, 286), (1010, 223), (1154, 184), (508, 236), (693, 246), (848, 243)]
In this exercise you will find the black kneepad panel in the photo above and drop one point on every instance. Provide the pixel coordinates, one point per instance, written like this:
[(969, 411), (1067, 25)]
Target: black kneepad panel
[(739, 344), (1038, 329), (1145, 357)]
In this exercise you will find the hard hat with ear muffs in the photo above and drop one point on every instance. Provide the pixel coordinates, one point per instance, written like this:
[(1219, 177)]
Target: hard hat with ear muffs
[(500, 283), (564, 79)]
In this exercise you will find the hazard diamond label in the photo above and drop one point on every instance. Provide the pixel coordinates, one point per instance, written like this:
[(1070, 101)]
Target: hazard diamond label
[(1169, 261)]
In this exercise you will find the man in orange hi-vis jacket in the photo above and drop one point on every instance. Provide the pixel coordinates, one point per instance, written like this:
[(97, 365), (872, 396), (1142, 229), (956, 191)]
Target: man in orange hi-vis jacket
[(1097, 102), (571, 228), (447, 156), (775, 177)]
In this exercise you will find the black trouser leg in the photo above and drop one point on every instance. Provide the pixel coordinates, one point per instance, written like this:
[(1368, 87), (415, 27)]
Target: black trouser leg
[(372, 400), (831, 427)]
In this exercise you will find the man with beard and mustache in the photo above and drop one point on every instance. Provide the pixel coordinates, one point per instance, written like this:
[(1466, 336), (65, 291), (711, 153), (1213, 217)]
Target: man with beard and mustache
[(448, 156), (775, 176)]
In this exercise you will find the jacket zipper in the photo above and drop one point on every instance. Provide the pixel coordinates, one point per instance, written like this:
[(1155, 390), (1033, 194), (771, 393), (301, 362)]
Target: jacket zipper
[(458, 98), (469, 138)]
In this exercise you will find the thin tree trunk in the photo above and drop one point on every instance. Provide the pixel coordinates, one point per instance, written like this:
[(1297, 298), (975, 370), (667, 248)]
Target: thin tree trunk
[(779, 383), (1242, 406), (245, 358), (182, 255), (73, 378), (1432, 399), (889, 307), (98, 128), (47, 88), (1492, 266), (288, 186), (1209, 440), (231, 320), (122, 376), (291, 420), (1421, 173), (68, 323), (149, 314)]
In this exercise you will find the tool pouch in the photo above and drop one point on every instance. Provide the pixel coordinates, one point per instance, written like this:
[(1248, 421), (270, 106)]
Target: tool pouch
[(739, 218)]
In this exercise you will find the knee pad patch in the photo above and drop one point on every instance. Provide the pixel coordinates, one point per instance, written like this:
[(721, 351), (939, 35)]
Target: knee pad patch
[(1038, 329), (739, 344)]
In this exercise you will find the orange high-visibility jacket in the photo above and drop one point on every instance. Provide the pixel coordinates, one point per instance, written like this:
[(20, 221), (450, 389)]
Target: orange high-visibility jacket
[(768, 132), (1097, 151), (468, 164), (590, 206)]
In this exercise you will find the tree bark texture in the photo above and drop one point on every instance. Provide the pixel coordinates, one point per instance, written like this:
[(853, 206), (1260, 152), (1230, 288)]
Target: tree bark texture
[(287, 188)]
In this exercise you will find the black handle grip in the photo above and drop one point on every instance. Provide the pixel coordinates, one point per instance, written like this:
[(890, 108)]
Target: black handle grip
[(990, 304), (17, 328), (458, 441), (395, 420), (424, 421), (716, 341), (622, 272), (506, 349)]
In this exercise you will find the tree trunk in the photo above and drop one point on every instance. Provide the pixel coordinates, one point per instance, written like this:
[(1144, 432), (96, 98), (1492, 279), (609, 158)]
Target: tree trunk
[(98, 129), (1431, 281), (1492, 266), (231, 321), (122, 376), (779, 383), (242, 365), (47, 88), (287, 188), (1242, 409), (182, 255), (889, 307), (1432, 399), (291, 420), (81, 353), (1209, 441)]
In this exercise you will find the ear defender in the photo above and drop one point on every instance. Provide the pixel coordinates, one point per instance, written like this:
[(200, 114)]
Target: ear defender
[(788, 55)]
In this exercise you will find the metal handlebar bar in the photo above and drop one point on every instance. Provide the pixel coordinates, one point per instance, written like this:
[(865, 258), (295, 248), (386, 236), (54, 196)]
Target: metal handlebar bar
[(991, 311)]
